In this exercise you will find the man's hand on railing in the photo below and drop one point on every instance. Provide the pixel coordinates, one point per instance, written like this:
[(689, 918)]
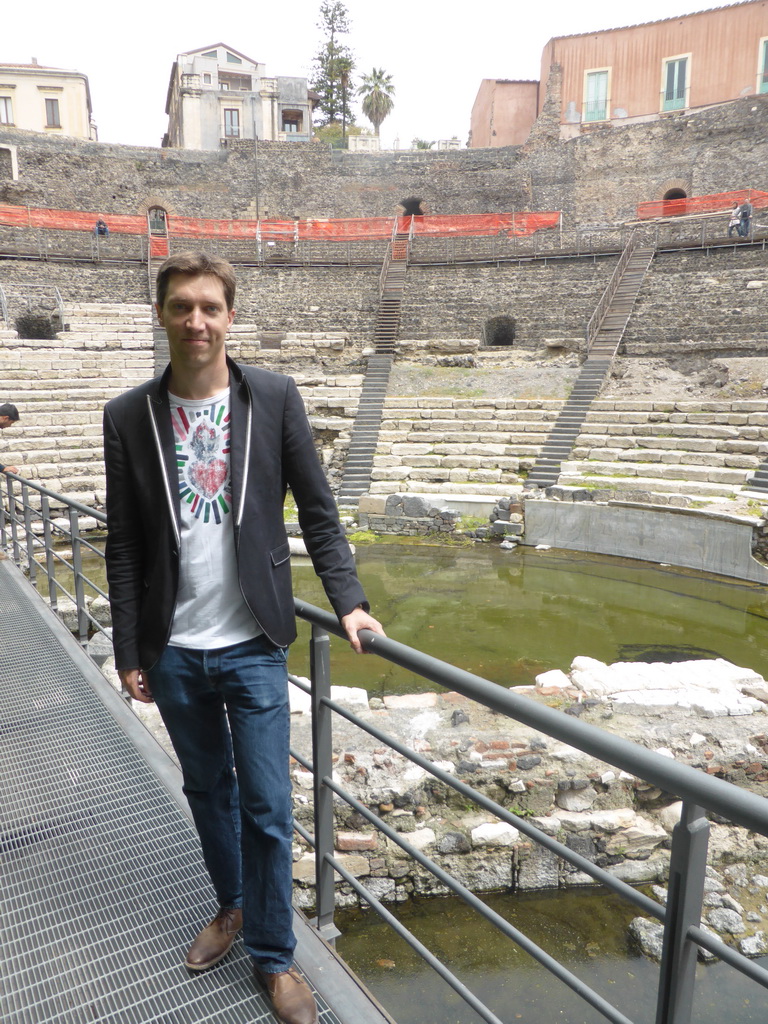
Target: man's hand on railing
[(357, 620), (11, 469), (136, 684)]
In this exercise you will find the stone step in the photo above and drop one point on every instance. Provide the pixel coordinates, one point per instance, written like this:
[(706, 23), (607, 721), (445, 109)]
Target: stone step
[(500, 490), (711, 474), (691, 490), (606, 476), (437, 475), (451, 425), (695, 431)]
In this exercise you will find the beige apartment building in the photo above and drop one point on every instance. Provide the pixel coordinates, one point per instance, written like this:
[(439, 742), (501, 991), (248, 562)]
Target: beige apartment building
[(48, 100), (632, 74), (217, 94)]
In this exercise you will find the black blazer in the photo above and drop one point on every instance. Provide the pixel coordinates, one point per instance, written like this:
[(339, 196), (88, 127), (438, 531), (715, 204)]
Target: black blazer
[(271, 448)]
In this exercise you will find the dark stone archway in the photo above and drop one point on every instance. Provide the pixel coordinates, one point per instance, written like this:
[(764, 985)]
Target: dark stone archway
[(412, 207), (499, 330)]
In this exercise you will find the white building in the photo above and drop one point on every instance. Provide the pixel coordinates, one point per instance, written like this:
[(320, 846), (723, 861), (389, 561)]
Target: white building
[(216, 94), (47, 100)]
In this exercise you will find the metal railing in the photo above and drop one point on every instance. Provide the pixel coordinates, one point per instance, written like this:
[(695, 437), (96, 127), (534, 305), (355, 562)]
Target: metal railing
[(387, 259), (44, 532), (705, 231), (606, 299), (28, 527)]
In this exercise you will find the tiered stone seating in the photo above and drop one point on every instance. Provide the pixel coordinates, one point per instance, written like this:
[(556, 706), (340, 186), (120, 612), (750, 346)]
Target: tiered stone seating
[(676, 453), (459, 445), (691, 304), (60, 386)]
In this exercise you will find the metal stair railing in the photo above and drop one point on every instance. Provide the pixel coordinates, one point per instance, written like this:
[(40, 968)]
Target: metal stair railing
[(699, 792), (614, 308), (593, 326), (387, 259)]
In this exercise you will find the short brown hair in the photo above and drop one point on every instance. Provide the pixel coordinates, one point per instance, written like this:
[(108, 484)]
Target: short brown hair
[(192, 264)]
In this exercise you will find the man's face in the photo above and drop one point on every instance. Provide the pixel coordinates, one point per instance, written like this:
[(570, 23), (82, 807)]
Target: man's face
[(6, 421), (196, 320)]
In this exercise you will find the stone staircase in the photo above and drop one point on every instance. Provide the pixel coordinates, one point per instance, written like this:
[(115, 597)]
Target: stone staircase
[(620, 296), (365, 432), (60, 386), (670, 453), (366, 428)]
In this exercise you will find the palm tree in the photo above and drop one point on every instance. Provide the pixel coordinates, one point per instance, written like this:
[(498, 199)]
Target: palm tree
[(377, 92)]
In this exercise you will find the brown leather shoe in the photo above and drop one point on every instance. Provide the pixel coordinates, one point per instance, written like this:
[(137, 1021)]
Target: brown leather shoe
[(215, 940), (290, 995)]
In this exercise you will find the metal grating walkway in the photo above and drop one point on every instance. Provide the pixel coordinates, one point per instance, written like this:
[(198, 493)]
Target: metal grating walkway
[(102, 886)]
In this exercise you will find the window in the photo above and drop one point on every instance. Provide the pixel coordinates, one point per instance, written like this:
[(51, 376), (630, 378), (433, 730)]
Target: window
[(6, 110), (596, 96), (52, 114), (292, 121), (229, 81), (211, 53), (206, 78), (231, 124), (762, 78), (675, 84), (232, 59)]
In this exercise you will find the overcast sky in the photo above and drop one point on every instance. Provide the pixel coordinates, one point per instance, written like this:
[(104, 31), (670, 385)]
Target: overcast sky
[(436, 59)]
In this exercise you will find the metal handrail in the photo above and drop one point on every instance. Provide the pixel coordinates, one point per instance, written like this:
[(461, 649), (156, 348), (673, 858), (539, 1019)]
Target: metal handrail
[(698, 791), (387, 259), (610, 290)]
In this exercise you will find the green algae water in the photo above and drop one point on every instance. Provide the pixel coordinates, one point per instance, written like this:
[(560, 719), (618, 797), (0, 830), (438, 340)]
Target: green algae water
[(509, 615), (586, 930)]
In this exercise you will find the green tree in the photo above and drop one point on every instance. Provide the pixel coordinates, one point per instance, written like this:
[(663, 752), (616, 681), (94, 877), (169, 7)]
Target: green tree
[(331, 134), (333, 65), (422, 144), (377, 92)]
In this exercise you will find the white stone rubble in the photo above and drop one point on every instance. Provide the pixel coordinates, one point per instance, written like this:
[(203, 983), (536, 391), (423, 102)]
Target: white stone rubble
[(709, 689)]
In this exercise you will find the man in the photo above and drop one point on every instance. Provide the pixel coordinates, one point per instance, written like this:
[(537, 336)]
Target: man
[(199, 578), (745, 214), (9, 415)]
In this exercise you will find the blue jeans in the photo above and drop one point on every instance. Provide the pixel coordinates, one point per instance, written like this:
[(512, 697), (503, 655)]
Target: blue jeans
[(227, 711)]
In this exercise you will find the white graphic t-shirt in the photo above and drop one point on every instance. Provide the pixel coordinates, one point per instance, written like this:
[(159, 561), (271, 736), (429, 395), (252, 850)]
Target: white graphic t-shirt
[(210, 610)]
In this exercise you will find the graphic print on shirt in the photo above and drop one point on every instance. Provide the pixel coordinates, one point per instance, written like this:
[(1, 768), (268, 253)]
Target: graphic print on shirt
[(202, 444)]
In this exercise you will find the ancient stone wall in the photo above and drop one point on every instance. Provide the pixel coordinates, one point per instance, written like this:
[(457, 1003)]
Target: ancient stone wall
[(701, 303), (552, 299), (599, 177)]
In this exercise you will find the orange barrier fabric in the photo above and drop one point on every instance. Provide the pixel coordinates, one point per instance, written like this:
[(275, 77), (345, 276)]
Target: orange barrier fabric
[(337, 230), (364, 228), (69, 220), (720, 202)]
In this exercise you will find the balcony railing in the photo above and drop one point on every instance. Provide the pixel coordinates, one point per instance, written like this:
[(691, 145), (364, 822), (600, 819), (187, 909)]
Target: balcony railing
[(31, 518)]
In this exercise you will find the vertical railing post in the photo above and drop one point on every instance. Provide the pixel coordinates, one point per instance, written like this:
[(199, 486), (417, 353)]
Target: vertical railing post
[(322, 766), (12, 511), (3, 514), (50, 561), (77, 567), (29, 535), (687, 871)]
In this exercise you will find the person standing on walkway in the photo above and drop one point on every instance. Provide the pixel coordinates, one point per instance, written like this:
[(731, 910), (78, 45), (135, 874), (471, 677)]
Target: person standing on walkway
[(745, 213), (9, 415), (734, 223), (198, 566)]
